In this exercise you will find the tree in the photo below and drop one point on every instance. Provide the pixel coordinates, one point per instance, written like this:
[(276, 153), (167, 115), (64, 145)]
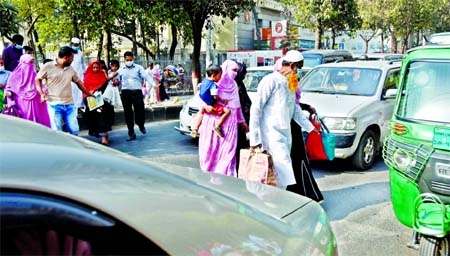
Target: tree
[(199, 13), (374, 14)]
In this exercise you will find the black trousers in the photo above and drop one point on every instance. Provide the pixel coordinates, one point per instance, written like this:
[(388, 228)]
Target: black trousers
[(133, 109)]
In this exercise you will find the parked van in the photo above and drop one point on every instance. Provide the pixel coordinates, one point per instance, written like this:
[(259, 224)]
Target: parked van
[(317, 57), (381, 56)]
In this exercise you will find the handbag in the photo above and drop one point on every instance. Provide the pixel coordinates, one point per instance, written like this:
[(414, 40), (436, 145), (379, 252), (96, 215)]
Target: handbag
[(256, 165), (12, 110), (320, 146)]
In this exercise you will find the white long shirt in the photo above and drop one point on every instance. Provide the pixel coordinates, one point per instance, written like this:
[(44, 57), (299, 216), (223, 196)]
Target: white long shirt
[(270, 123), (79, 65)]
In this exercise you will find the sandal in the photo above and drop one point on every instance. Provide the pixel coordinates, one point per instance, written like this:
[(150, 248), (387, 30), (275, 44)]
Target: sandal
[(105, 140)]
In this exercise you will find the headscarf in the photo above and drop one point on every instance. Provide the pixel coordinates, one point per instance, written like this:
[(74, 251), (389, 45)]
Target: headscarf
[(22, 80), (228, 88), (94, 80), (278, 64), (156, 71)]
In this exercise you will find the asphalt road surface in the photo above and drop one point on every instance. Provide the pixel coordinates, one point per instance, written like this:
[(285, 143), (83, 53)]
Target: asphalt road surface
[(357, 202)]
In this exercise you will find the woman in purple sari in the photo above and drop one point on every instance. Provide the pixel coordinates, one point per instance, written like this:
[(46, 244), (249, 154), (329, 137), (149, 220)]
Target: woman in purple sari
[(21, 91), (217, 154)]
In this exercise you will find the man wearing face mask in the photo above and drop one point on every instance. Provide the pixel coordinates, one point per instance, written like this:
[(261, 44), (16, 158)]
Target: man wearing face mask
[(58, 94), (79, 65), (131, 78), (271, 113), (12, 53)]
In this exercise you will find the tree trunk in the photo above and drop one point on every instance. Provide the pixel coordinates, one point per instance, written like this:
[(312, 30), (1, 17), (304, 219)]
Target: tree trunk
[(382, 42), (173, 46), (76, 29), (393, 42), (100, 46), (196, 70), (108, 46), (318, 39), (333, 38)]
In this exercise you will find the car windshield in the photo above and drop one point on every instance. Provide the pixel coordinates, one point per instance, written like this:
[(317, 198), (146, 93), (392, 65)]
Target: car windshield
[(342, 80), (253, 77), (312, 60), (425, 92)]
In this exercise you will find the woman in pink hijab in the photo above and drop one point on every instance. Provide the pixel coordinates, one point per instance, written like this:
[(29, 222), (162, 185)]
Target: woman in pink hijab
[(217, 154), (21, 90)]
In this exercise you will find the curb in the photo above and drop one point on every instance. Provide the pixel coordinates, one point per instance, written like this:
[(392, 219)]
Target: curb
[(168, 110)]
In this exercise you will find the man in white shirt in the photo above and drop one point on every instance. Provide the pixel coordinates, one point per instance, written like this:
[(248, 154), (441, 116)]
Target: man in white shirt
[(270, 117), (131, 78), (79, 65)]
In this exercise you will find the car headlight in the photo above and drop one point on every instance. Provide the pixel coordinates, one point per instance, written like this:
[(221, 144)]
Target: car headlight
[(340, 123), (403, 159)]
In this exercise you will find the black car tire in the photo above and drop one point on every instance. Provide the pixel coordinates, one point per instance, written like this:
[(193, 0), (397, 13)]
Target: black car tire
[(365, 153), (433, 246)]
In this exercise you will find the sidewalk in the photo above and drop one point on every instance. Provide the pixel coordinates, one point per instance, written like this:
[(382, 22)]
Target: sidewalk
[(166, 110)]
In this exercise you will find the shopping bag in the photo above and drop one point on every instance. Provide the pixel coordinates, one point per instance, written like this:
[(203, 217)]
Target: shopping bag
[(256, 165), (320, 146)]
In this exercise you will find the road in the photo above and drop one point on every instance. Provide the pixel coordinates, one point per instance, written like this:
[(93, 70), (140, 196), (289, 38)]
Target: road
[(357, 202)]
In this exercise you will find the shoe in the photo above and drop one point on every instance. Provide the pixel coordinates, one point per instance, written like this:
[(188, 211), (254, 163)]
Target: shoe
[(131, 137), (142, 129), (194, 134), (218, 131)]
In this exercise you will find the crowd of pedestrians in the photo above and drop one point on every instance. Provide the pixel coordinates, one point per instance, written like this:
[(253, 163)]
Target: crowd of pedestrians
[(57, 94)]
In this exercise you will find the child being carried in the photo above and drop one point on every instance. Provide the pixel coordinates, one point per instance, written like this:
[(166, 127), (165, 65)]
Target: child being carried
[(209, 94)]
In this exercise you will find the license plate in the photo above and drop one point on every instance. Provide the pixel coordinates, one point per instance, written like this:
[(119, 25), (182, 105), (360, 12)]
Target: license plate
[(441, 138), (443, 170)]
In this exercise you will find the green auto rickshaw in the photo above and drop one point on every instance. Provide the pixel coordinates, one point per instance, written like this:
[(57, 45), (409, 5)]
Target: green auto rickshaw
[(417, 150)]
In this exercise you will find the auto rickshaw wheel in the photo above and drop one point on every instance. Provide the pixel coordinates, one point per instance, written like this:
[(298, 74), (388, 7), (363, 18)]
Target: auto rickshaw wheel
[(434, 246)]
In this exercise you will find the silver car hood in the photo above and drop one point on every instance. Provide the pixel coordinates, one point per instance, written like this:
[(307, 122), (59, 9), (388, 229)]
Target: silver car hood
[(168, 204)]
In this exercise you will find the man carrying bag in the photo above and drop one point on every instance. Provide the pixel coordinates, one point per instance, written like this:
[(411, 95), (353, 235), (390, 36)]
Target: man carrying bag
[(271, 114)]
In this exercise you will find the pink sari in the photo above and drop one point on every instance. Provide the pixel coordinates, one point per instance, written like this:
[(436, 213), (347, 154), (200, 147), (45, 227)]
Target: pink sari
[(218, 155)]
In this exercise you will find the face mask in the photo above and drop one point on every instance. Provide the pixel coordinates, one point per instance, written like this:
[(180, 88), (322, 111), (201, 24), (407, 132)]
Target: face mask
[(299, 73), (128, 63), (293, 82), (18, 46), (76, 48), (2, 68)]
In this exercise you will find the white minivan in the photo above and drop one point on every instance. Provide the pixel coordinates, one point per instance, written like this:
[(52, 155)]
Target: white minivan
[(355, 100)]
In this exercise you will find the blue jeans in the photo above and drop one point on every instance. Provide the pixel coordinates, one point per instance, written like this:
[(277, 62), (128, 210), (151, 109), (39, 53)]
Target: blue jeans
[(67, 113)]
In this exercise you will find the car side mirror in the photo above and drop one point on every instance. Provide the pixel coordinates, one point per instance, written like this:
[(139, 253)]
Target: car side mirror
[(390, 94)]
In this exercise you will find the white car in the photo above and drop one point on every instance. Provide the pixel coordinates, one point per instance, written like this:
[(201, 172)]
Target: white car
[(357, 112), (251, 81)]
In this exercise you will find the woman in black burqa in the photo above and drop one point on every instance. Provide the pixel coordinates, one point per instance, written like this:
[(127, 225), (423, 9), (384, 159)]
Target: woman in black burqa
[(306, 184), (244, 99)]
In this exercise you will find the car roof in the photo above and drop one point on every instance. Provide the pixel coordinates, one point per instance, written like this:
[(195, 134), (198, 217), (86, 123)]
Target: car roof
[(430, 47), (139, 193), (264, 68), (328, 52), (362, 64)]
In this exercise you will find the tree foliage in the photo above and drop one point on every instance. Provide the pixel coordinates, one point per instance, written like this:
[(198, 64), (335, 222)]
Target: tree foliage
[(322, 15), (9, 24)]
